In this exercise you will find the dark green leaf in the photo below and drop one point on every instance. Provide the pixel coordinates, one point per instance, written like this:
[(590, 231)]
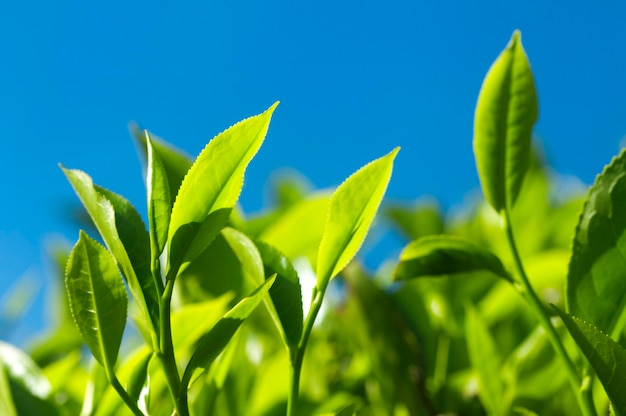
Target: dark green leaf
[(159, 200), (97, 299), (211, 186), (213, 342), (606, 356), (596, 282), (445, 255), (286, 293), (125, 236), (352, 209), (506, 112)]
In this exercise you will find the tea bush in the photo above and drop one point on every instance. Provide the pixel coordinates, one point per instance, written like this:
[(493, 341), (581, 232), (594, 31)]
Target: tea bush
[(515, 307)]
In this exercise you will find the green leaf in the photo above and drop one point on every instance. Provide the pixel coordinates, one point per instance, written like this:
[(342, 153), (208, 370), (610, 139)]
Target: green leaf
[(596, 282), (286, 293), (211, 189), (606, 356), (350, 214), (231, 263), (175, 162), (486, 363), (506, 111), (442, 255), (97, 299), (213, 342), (159, 200), (125, 236)]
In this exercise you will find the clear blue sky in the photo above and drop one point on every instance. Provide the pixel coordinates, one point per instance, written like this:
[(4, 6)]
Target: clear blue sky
[(354, 78)]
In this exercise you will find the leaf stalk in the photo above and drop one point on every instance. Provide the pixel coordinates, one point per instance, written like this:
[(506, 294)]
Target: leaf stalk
[(584, 400)]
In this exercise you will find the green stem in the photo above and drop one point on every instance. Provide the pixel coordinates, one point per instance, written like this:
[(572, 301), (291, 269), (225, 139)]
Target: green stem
[(538, 308), (166, 352), (298, 356), (132, 405)]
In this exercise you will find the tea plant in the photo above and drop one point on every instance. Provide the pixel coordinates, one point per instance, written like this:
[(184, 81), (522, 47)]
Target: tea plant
[(473, 317)]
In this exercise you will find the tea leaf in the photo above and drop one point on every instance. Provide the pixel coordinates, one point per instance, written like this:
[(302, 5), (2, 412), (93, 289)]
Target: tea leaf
[(350, 214), (97, 299), (231, 263), (211, 189), (486, 363), (286, 293), (125, 235), (505, 114), (606, 356), (596, 282), (213, 342), (444, 255), (175, 162), (159, 200)]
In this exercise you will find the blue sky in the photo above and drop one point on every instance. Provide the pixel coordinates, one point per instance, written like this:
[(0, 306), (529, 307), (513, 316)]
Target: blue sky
[(355, 79)]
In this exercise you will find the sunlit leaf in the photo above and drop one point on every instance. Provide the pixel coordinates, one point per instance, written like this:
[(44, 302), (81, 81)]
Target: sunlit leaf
[(350, 214), (596, 282), (286, 293), (97, 299), (486, 363), (213, 342), (442, 255), (606, 356), (505, 114), (125, 235), (211, 188), (175, 162), (159, 199)]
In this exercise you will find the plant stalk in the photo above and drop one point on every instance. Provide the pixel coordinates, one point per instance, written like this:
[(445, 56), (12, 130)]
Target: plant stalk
[(298, 356), (132, 405), (584, 400), (166, 352)]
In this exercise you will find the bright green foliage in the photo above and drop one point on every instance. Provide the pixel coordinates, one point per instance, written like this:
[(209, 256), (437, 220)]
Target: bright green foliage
[(97, 298), (606, 356), (124, 233), (352, 210), (159, 199), (445, 255), (23, 388), (596, 282), (505, 114), (211, 189), (213, 342), (286, 293)]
